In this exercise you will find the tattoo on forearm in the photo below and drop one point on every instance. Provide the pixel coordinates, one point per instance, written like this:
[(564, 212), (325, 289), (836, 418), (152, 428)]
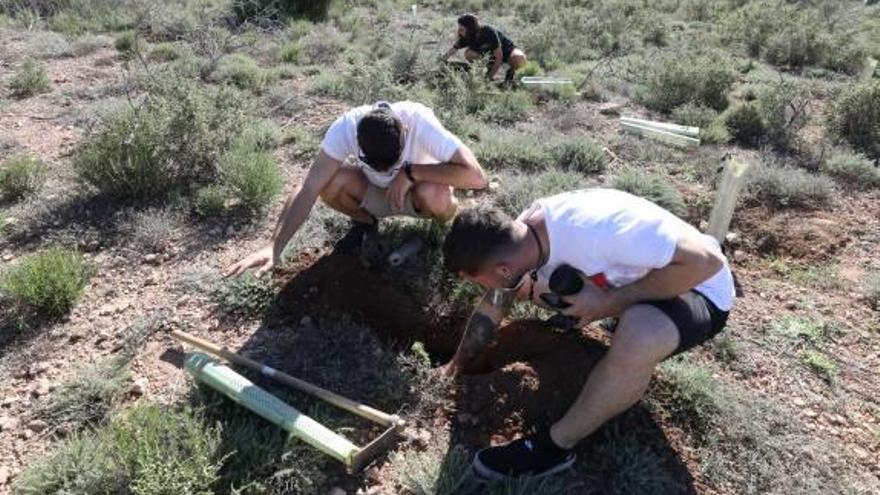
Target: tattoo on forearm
[(479, 333)]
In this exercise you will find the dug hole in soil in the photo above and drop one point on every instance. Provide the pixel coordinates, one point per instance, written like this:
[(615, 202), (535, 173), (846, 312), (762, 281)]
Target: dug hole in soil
[(528, 376), (525, 380)]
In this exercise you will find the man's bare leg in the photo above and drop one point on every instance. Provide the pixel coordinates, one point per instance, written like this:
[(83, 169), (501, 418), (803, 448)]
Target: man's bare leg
[(644, 337), (435, 200), (472, 55), (345, 192)]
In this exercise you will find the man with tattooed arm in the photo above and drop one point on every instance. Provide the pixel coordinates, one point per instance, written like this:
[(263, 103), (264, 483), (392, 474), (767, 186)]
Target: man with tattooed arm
[(668, 285)]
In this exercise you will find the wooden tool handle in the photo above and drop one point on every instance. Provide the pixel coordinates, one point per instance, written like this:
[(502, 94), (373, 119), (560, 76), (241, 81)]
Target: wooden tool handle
[(337, 400)]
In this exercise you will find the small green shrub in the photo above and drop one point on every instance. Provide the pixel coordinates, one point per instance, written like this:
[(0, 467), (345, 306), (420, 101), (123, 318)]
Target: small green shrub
[(152, 231), (291, 53), (854, 117), (88, 44), (433, 472), (745, 124), (724, 348), (87, 398), (47, 44), (695, 393), (694, 115), (127, 43), (246, 295), (120, 159), (798, 46), (48, 282), (251, 175), (715, 133), (652, 187), (784, 34), (210, 201), (361, 82), (519, 151), (243, 72), (847, 54), (775, 117), (281, 100), (508, 107), (30, 79), (84, 464), (531, 69), (304, 143), (261, 135), (698, 78), (409, 64), (786, 187), (322, 45), (784, 111), (819, 364), (825, 277), (256, 10), (148, 450), (579, 154), (800, 329), (530, 152), (171, 142), (19, 176), (621, 461), (517, 191), (164, 52), (853, 168), (329, 83)]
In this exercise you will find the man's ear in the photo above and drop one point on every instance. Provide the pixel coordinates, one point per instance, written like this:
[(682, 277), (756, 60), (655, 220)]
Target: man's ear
[(503, 269)]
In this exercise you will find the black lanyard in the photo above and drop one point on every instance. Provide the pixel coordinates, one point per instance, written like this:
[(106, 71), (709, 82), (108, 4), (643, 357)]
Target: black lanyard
[(534, 273)]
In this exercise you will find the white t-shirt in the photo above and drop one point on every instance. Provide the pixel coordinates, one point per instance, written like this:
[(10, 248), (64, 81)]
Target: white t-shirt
[(623, 237), (426, 140)]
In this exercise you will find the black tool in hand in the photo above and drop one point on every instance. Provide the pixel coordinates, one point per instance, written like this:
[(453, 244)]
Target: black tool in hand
[(564, 281)]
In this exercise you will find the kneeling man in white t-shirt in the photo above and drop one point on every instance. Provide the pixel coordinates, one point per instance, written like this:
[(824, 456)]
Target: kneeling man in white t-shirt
[(377, 161), (668, 284)]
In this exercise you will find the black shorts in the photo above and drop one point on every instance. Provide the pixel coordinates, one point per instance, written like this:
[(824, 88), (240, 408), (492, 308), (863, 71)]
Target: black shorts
[(695, 316)]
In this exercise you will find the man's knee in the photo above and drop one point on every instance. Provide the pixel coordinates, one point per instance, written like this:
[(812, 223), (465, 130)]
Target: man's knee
[(644, 335), (471, 55), (346, 183), (517, 61), (435, 200)]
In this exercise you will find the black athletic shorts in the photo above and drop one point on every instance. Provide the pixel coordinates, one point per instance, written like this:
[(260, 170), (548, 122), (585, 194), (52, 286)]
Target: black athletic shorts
[(696, 317)]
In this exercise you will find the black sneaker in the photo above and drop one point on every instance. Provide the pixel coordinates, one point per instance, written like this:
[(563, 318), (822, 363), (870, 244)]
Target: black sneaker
[(535, 456), (510, 79)]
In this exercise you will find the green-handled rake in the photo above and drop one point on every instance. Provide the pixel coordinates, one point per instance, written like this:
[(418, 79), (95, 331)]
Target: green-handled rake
[(243, 391)]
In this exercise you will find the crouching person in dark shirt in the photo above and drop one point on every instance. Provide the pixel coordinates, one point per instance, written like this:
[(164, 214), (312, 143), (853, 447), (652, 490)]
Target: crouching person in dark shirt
[(481, 41)]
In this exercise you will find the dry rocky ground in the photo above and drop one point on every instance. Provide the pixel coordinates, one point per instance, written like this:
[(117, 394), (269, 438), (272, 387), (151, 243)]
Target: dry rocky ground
[(779, 259)]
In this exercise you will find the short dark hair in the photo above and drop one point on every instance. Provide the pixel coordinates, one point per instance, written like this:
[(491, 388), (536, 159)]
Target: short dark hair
[(378, 135), (471, 24), (478, 236)]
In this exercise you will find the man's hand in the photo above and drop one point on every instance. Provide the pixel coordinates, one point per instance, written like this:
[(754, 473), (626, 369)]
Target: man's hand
[(262, 260), (450, 369), (592, 303), (396, 193)]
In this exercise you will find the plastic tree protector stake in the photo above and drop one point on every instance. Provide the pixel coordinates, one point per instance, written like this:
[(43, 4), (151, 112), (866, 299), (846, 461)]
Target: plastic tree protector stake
[(243, 391), (722, 212), (405, 252)]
